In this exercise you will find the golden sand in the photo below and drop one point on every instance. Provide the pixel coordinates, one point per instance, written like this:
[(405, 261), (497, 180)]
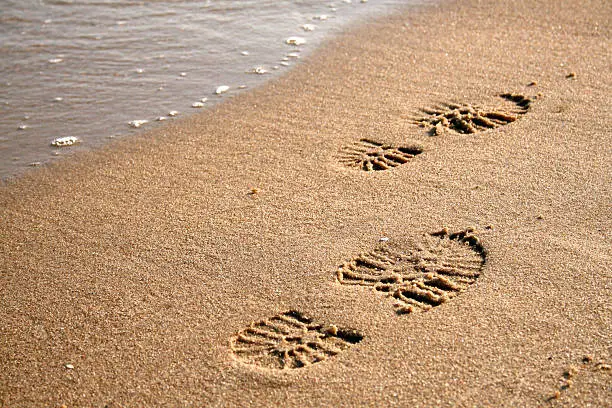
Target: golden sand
[(197, 265)]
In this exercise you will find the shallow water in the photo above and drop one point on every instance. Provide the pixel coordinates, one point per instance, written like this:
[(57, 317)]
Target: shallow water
[(85, 68)]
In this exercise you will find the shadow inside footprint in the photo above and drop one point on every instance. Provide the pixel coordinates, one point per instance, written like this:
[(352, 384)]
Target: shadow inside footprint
[(436, 268), (291, 340), (469, 119), (371, 155)]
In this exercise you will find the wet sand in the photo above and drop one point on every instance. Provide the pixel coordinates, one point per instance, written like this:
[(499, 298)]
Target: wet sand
[(87, 68), (240, 257)]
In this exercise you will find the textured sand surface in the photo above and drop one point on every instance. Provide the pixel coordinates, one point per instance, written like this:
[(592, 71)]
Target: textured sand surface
[(129, 275)]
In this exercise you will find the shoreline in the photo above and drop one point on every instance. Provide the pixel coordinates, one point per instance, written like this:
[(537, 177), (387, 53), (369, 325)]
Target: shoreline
[(151, 80), (129, 274)]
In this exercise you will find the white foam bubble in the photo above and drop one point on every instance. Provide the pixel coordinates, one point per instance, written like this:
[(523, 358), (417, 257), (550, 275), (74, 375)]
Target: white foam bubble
[(65, 141), (138, 123), (222, 89), (258, 70)]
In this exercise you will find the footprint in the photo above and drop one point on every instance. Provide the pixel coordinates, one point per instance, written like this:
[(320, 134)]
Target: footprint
[(425, 274), (291, 340), (466, 118), (370, 155)]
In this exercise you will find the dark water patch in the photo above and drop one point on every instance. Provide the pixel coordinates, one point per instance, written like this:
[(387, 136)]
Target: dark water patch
[(87, 68)]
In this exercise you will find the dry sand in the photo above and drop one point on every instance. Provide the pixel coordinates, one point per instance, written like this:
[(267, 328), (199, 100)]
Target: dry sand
[(127, 273)]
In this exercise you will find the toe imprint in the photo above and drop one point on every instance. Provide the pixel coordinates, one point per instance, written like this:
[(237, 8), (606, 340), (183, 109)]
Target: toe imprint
[(468, 119), (434, 269), (291, 340), (370, 155)]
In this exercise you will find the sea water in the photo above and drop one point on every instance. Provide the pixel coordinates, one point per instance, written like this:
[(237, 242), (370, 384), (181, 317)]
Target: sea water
[(89, 71)]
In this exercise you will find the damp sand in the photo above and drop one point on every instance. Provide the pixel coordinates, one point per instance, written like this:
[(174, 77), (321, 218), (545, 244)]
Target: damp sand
[(86, 68), (250, 256)]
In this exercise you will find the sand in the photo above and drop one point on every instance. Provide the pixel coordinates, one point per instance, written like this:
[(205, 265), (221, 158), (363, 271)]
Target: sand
[(186, 266)]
